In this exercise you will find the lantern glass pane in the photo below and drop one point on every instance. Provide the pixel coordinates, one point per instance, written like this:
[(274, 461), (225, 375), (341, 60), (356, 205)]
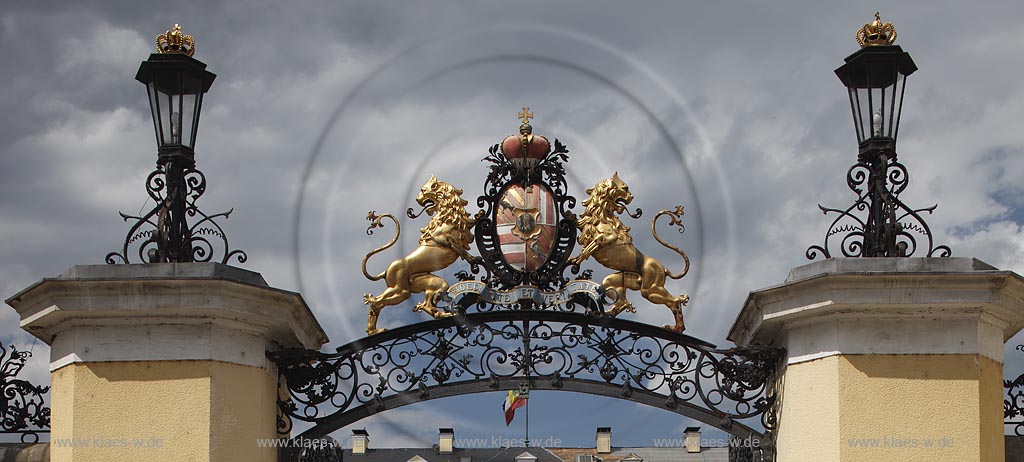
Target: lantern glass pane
[(188, 111), (862, 99), (896, 105), (154, 98), (171, 119), (879, 111), (853, 109), (191, 90)]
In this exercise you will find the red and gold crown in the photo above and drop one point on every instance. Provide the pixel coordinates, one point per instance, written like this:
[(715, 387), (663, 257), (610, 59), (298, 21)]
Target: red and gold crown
[(525, 149)]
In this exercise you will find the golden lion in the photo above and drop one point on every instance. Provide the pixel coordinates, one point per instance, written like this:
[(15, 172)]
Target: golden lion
[(607, 239), (445, 238)]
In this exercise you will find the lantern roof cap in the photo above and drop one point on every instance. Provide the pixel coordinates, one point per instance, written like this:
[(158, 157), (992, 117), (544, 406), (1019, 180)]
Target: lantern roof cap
[(171, 67), (876, 33), (875, 66), (174, 41)]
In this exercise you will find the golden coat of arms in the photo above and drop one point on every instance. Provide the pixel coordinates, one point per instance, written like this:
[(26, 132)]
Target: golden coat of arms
[(525, 234)]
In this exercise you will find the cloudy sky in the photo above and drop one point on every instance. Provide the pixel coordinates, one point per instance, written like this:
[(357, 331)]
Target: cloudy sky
[(324, 110)]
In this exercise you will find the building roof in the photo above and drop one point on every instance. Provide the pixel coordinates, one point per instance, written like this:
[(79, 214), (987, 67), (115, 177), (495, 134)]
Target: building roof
[(458, 455), (669, 455)]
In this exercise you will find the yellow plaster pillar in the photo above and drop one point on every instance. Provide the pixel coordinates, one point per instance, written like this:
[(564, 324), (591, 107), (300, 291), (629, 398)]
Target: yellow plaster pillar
[(889, 359), (163, 362)]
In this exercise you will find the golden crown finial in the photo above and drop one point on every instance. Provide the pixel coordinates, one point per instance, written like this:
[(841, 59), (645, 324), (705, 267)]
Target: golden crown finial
[(876, 33), (173, 41)]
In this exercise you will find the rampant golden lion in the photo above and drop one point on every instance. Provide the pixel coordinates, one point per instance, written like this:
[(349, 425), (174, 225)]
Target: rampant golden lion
[(607, 239), (445, 238)]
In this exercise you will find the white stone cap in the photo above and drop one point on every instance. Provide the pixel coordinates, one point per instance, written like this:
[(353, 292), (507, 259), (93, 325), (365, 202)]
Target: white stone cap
[(164, 311), (886, 306)]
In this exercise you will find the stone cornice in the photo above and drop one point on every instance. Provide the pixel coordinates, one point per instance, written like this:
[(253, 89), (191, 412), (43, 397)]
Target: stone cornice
[(838, 292)]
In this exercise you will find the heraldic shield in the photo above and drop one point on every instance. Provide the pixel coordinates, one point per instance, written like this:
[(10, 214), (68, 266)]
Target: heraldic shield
[(527, 226)]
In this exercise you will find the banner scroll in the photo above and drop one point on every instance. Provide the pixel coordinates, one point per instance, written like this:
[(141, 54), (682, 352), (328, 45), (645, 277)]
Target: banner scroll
[(591, 289)]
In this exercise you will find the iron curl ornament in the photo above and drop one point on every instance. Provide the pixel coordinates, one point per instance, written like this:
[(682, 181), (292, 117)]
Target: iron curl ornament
[(1013, 402), (163, 234), (548, 350), (23, 409), (324, 449), (878, 223)]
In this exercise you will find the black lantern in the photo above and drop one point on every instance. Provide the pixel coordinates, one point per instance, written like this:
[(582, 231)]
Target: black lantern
[(876, 78), (176, 83)]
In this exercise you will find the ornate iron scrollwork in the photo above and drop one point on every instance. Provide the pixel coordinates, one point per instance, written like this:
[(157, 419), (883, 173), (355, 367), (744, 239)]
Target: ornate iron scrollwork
[(493, 350), (324, 449), (1013, 402), (163, 234), (23, 411), (738, 453), (890, 227)]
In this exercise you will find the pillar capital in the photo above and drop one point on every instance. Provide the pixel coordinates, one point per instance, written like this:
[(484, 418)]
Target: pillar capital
[(164, 311), (886, 306)]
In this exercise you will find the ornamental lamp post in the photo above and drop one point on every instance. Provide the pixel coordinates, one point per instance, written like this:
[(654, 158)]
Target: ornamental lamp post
[(875, 78), (176, 83)]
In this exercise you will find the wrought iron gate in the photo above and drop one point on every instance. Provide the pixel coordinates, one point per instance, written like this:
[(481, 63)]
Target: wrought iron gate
[(476, 352)]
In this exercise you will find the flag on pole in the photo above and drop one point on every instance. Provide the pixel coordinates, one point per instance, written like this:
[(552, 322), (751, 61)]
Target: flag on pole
[(514, 401)]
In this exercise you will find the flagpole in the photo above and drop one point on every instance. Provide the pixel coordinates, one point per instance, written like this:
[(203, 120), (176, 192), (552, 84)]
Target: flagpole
[(527, 419)]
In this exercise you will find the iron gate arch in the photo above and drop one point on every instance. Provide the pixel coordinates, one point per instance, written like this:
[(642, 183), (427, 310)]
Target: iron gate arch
[(730, 389)]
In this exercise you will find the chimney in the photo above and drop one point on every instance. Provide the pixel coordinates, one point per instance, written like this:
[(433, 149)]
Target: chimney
[(446, 437), (604, 440), (360, 441), (691, 439)]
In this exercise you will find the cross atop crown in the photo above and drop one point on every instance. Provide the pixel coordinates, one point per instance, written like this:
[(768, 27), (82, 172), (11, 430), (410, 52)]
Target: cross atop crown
[(525, 115)]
